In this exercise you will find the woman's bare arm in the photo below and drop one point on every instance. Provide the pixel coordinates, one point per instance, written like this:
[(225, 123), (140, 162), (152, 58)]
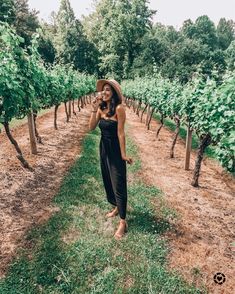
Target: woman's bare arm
[(121, 115), (95, 114), (94, 119)]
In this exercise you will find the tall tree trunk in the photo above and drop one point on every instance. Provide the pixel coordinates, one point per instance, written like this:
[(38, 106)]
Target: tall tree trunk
[(150, 118), (188, 146), (66, 111), (79, 109), (38, 137), (204, 142), (133, 105), (20, 156), (126, 101), (32, 137), (74, 112), (70, 112), (147, 116), (141, 117), (55, 117), (177, 121), (82, 102), (129, 103), (138, 108), (161, 125)]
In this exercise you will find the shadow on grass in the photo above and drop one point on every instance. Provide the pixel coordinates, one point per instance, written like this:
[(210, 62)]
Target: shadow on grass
[(146, 222)]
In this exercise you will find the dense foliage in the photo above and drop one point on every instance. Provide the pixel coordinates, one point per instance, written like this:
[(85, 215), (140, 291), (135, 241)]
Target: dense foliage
[(209, 108), (130, 44), (119, 40), (26, 84)]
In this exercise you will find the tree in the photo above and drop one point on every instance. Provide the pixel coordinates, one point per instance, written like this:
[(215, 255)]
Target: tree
[(213, 41), (230, 56), (65, 38), (225, 33), (186, 55), (86, 53), (188, 28), (45, 44), (155, 49), (153, 53), (7, 11), (72, 45), (116, 28), (203, 30), (26, 21)]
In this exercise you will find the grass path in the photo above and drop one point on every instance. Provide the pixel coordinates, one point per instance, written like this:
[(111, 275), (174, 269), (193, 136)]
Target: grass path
[(75, 252)]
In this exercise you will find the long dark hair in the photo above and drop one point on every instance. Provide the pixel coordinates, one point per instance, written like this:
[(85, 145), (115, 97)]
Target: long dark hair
[(113, 103)]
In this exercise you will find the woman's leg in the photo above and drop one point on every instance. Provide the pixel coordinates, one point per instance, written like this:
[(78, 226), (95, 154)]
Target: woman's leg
[(119, 184), (121, 230), (107, 181), (112, 213)]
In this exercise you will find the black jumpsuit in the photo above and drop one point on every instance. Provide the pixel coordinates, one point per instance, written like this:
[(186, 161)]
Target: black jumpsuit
[(113, 167)]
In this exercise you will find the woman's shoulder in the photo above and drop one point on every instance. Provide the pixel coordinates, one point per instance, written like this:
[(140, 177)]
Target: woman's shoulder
[(120, 108)]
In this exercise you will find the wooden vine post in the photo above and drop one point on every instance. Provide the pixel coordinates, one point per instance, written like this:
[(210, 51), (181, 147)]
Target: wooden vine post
[(188, 148), (148, 114), (136, 105), (70, 108), (32, 136)]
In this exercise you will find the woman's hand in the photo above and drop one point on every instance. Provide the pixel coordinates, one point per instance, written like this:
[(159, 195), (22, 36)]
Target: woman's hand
[(96, 102), (128, 159)]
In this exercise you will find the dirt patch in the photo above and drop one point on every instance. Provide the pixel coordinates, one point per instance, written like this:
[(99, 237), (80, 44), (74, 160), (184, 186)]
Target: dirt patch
[(71, 236), (200, 244), (25, 197)]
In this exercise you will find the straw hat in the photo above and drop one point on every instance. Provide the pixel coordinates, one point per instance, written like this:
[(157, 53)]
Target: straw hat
[(100, 84)]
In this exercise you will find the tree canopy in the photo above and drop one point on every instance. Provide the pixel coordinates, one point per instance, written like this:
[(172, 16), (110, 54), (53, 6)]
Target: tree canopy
[(119, 40)]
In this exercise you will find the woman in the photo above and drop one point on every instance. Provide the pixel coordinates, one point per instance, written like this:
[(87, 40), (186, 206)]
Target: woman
[(110, 115)]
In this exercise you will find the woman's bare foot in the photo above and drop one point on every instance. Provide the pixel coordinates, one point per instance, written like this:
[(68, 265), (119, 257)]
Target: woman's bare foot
[(122, 229), (112, 213)]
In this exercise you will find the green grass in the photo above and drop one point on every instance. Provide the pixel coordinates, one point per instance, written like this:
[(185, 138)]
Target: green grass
[(75, 252)]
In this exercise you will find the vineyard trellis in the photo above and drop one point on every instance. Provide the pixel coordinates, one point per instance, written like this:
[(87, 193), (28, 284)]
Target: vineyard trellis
[(27, 86), (205, 107)]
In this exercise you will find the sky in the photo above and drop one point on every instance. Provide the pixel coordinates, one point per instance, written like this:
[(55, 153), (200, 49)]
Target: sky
[(169, 12)]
